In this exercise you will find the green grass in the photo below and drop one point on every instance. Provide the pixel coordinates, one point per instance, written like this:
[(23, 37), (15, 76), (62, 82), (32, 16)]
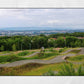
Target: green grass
[(17, 57), (49, 58), (75, 51), (4, 52), (43, 69), (76, 58), (19, 70), (30, 69), (24, 53), (67, 70), (43, 55), (50, 50), (63, 49), (14, 57), (36, 69), (10, 58)]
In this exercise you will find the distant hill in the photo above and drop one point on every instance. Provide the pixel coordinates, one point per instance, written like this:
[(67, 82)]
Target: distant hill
[(33, 28), (69, 30)]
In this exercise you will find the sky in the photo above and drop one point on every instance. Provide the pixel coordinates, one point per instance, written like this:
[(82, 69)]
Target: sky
[(58, 18)]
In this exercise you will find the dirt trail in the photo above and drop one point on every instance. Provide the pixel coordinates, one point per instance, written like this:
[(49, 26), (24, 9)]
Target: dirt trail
[(81, 52)]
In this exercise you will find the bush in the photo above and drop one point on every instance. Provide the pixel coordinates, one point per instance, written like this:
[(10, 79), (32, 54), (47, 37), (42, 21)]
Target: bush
[(67, 70)]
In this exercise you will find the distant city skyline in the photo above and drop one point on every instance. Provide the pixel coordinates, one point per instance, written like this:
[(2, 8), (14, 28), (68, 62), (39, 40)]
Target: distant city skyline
[(53, 18)]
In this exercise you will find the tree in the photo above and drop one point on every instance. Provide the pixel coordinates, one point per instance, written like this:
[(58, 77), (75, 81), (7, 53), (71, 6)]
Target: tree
[(70, 41), (2, 48), (78, 43), (60, 42), (82, 43), (26, 42), (14, 47), (51, 43), (42, 41)]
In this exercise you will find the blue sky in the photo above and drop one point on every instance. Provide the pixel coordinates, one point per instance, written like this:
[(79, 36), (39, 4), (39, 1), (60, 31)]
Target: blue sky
[(58, 18)]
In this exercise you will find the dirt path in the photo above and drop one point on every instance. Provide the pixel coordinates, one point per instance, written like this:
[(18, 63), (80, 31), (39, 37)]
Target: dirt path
[(54, 60), (5, 54), (81, 52), (73, 49)]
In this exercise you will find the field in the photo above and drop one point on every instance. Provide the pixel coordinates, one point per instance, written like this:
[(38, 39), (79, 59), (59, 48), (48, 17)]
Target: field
[(37, 62)]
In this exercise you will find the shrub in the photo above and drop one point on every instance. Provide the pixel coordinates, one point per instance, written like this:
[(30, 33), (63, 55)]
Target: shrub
[(67, 70)]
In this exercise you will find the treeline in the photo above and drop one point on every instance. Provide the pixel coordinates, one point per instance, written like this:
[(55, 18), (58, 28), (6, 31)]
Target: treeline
[(22, 42), (14, 43)]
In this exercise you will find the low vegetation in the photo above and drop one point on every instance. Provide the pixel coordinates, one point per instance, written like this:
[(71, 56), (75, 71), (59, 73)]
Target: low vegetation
[(43, 55), (62, 50), (24, 53), (19, 70), (10, 58), (76, 58), (75, 51), (43, 69), (66, 70)]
